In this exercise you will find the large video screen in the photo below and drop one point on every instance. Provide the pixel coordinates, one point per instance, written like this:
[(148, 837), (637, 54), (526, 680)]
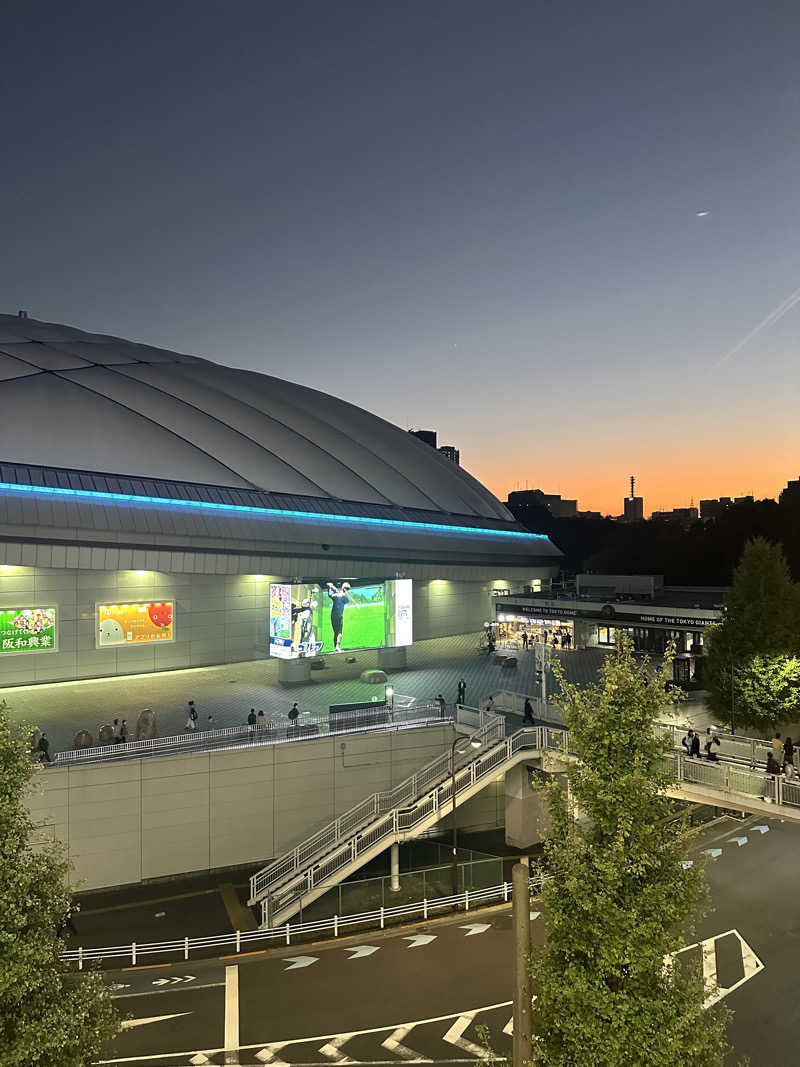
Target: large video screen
[(27, 630), (326, 616), (134, 624)]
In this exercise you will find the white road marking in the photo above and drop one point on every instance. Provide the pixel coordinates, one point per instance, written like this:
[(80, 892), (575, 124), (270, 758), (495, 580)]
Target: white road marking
[(420, 939), (174, 981), (361, 951), (739, 840), (130, 1024), (712, 852), (762, 829), (162, 1056), (453, 1035), (509, 1027), (270, 1054), (751, 965), (299, 961), (476, 928), (535, 915), (394, 1043), (686, 864), (231, 1008), (199, 1059), (332, 1049)]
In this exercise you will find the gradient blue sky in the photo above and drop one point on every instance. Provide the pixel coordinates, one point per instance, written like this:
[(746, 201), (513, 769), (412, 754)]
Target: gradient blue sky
[(477, 217)]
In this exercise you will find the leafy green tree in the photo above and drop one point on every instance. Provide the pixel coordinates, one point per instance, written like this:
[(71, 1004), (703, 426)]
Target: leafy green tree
[(751, 668), (50, 1014), (619, 899)]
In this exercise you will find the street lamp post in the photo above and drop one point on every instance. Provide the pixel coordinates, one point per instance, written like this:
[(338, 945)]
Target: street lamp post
[(474, 742)]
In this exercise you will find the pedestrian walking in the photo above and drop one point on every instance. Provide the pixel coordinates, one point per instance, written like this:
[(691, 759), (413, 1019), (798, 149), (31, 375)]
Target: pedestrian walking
[(788, 753), (294, 714), (210, 722), (711, 740), (261, 719), (44, 749), (442, 705), (524, 639), (528, 713), (251, 718), (771, 777), (692, 744), (116, 732), (777, 747), (191, 716), (123, 731), (462, 691), (490, 704)]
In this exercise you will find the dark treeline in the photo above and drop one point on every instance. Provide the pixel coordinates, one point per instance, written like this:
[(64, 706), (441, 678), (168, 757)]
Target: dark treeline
[(704, 554)]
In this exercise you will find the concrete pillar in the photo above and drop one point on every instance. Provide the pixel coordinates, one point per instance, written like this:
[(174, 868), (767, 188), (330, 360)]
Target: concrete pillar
[(394, 859), (527, 818), (293, 671), (392, 658)]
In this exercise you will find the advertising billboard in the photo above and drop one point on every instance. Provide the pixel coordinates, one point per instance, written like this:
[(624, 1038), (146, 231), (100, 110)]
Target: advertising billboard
[(135, 624), (27, 630), (328, 616)]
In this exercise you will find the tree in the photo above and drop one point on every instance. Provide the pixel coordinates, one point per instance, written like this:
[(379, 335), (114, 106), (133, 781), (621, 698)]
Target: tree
[(751, 669), (49, 1013), (619, 899)]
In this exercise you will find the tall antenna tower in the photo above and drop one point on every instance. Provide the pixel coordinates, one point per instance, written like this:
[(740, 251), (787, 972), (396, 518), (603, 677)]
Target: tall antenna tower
[(633, 482)]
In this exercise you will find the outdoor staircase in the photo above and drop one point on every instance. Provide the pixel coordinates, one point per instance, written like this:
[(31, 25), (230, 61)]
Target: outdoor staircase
[(339, 849)]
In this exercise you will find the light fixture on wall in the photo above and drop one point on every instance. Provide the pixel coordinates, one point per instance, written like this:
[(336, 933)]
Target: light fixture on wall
[(141, 574), (258, 577), (5, 568)]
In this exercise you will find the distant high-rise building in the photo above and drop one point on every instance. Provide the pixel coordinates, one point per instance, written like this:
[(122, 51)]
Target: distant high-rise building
[(633, 506), (534, 500), (712, 509), (683, 516), (451, 453), (428, 436), (791, 494)]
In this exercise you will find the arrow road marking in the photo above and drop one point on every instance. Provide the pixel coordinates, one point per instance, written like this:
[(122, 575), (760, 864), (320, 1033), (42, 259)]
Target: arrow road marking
[(453, 1035), (739, 840), (420, 939), (332, 1049), (361, 951), (712, 852), (761, 829), (476, 928), (751, 965), (394, 1043), (129, 1024), (299, 961), (174, 981)]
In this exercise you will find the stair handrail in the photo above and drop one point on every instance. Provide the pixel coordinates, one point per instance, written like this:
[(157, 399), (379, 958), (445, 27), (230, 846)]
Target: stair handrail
[(343, 826)]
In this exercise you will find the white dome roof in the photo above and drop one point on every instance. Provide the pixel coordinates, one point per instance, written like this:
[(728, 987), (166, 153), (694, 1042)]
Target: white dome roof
[(96, 403)]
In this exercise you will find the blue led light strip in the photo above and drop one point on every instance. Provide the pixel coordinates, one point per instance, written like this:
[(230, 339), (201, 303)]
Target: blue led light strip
[(268, 513)]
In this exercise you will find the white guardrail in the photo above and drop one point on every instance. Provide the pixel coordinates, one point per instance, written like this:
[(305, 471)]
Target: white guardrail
[(270, 733), (183, 947)]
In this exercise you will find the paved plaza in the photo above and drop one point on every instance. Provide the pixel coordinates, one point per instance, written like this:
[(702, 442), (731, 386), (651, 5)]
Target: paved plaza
[(228, 692)]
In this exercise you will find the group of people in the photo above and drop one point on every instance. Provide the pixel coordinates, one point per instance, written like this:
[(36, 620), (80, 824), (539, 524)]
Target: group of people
[(781, 759), (192, 718), (691, 742)]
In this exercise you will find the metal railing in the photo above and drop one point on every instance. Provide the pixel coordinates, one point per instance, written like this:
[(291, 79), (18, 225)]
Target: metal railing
[(270, 733), (359, 816), (337, 925)]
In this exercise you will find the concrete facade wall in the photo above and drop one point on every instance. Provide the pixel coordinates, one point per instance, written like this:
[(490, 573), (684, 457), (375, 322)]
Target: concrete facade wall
[(151, 818), (219, 618)]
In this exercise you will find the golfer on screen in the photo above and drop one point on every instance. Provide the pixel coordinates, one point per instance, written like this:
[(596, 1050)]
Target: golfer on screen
[(339, 598)]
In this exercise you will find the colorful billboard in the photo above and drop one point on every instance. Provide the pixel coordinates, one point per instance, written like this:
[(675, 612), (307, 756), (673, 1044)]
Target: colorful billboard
[(135, 624), (329, 616), (27, 630)]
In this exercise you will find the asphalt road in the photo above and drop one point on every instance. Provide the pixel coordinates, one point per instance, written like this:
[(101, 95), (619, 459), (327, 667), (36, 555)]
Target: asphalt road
[(420, 994)]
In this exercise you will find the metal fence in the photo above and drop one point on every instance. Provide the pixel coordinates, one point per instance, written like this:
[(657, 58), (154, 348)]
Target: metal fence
[(336, 926), (270, 733)]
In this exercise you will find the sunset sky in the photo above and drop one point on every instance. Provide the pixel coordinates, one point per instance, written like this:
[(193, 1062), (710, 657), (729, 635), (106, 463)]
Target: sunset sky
[(475, 217)]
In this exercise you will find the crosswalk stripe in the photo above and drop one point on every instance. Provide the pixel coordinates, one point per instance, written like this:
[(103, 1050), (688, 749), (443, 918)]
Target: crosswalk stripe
[(270, 1055)]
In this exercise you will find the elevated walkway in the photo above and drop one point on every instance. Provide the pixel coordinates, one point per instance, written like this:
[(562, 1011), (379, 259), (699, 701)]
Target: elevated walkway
[(346, 844)]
